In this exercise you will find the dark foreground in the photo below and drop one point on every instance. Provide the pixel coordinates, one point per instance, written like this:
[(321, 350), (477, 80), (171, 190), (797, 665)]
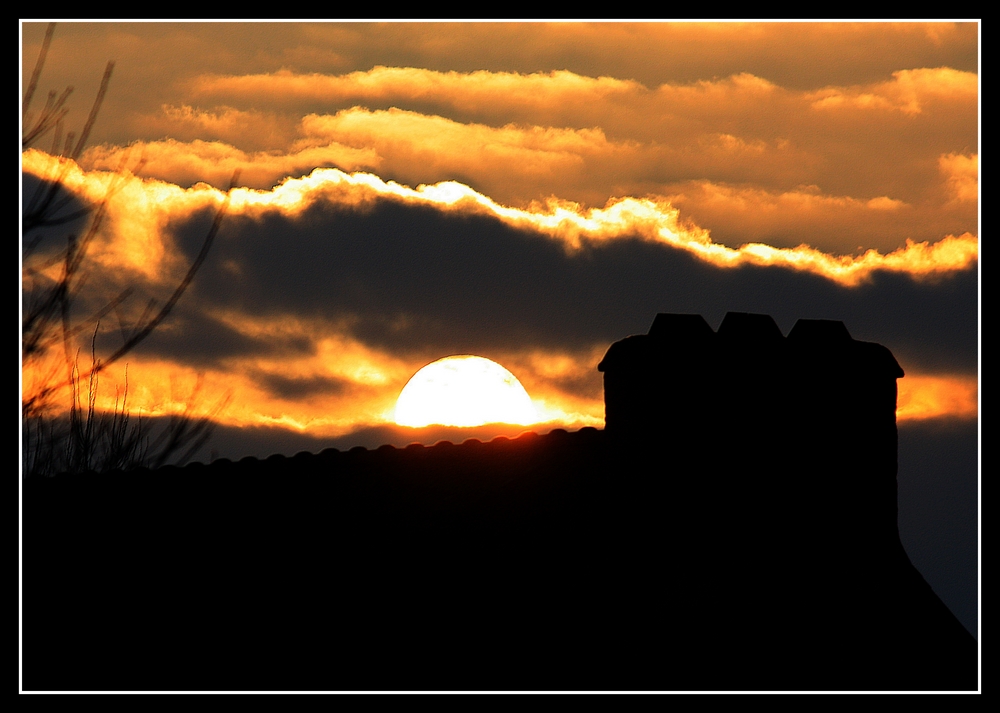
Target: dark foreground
[(545, 562)]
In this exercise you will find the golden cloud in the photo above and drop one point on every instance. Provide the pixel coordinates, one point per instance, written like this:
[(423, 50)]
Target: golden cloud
[(508, 161), (148, 204), (350, 385), (961, 175), (925, 396), (651, 219), (366, 381), (738, 170), (523, 137), (464, 91), (213, 162), (371, 382), (739, 214), (909, 92), (250, 129)]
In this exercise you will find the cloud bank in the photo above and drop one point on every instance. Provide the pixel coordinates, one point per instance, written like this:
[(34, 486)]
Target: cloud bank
[(328, 291)]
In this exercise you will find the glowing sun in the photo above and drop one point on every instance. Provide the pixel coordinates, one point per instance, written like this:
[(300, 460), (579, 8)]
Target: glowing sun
[(463, 391)]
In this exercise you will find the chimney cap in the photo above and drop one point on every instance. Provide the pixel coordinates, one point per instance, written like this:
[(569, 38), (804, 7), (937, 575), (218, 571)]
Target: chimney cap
[(750, 327), (680, 326), (630, 350), (825, 331)]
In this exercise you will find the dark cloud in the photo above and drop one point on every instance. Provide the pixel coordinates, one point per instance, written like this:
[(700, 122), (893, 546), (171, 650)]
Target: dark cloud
[(50, 213), (300, 387), (414, 279), (198, 339)]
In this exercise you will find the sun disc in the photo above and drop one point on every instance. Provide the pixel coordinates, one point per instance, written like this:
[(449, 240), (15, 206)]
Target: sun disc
[(463, 390)]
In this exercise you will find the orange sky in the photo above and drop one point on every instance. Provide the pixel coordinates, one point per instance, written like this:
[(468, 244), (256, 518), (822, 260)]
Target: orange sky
[(838, 157)]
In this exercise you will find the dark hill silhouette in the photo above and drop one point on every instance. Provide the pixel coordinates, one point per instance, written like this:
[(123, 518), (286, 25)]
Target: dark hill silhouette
[(732, 528)]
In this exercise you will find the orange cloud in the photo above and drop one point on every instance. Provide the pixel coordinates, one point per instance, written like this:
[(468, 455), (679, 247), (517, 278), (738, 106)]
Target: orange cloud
[(464, 91), (924, 396), (673, 113), (214, 162), (797, 140), (345, 384), (541, 93), (565, 387), (150, 204), (652, 219), (909, 92), (740, 214), (605, 74), (250, 129), (508, 162), (961, 175), (368, 383), (132, 235), (524, 136), (588, 140)]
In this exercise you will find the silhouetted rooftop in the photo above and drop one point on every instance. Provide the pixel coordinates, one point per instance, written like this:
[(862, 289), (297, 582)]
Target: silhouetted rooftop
[(732, 528)]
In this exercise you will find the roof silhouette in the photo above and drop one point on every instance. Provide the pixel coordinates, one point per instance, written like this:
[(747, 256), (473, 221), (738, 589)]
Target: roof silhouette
[(733, 527)]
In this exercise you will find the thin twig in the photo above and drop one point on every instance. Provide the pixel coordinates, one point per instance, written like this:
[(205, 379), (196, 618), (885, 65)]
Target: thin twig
[(165, 310), (93, 111), (37, 72)]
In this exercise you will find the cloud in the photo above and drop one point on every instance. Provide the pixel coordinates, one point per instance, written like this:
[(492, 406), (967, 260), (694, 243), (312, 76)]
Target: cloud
[(961, 173), (517, 164), (145, 207), (164, 62), (252, 129), (213, 162), (324, 294), (744, 213), (650, 219), (929, 396), (514, 163), (626, 109), (808, 54), (909, 92), (521, 137), (465, 91)]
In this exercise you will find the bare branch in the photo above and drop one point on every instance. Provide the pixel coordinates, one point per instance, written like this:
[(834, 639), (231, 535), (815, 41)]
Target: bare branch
[(93, 111), (37, 72), (85, 438), (146, 330)]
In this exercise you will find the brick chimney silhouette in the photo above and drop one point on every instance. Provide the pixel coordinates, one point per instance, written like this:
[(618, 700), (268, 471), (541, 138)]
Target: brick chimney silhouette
[(766, 468), (814, 412)]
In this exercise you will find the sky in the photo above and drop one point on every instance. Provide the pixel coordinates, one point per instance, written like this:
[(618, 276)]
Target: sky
[(525, 192)]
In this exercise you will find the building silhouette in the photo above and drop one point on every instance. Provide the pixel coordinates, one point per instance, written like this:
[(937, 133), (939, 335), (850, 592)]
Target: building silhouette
[(732, 528), (779, 455)]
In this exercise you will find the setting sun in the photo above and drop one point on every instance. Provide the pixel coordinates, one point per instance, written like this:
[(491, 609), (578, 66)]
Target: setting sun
[(463, 391)]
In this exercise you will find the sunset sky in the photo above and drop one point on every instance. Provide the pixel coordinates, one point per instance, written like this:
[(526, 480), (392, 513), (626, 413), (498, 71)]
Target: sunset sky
[(525, 192)]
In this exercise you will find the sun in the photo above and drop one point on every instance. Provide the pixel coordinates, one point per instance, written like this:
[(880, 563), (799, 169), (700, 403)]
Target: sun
[(463, 390)]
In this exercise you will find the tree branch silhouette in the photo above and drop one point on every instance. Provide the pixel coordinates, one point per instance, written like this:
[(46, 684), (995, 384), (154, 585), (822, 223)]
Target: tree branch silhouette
[(90, 439), (152, 324)]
